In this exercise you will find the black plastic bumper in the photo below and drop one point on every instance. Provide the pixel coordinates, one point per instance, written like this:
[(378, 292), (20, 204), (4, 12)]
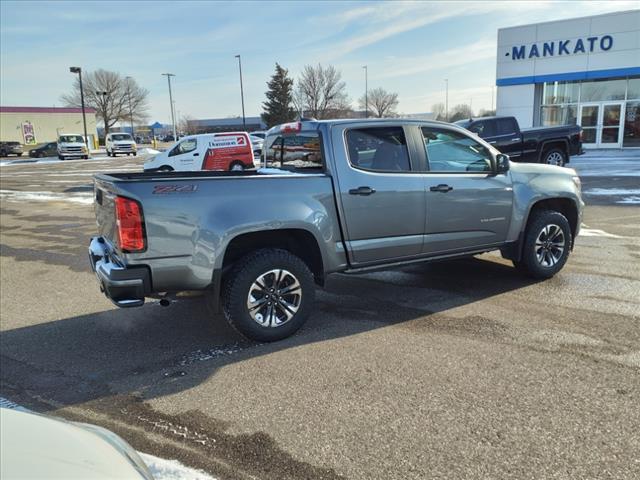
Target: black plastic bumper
[(124, 286)]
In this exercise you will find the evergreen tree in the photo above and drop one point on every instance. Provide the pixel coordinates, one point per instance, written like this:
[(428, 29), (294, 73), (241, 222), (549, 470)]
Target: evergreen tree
[(278, 107)]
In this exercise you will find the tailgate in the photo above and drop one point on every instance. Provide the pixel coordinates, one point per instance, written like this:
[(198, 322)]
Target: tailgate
[(104, 205)]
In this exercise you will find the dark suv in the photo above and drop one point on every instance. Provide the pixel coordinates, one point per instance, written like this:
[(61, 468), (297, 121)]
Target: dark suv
[(10, 148)]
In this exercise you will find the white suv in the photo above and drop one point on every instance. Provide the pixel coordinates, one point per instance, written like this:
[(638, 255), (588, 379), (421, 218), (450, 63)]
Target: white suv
[(124, 143)]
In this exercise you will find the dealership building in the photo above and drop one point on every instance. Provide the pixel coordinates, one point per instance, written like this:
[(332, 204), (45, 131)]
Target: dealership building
[(583, 71), (36, 125)]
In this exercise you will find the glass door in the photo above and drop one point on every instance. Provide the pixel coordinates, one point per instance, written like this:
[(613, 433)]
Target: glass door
[(610, 136), (588, 120)]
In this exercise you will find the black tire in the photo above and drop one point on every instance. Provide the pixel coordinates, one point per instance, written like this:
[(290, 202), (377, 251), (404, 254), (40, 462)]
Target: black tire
[(554, 156), (85, 157), (237, 166), (243, 277), (60, 157), (541, 256), (135, 154), (165, 168)]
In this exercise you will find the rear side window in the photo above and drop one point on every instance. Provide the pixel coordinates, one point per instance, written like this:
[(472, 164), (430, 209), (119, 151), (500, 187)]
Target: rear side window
[(506, 126), (293, 151), (483, 129), (380, 149)]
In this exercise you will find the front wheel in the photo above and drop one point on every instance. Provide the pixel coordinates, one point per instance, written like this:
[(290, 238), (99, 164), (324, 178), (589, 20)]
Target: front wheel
[(554, 156), (268, 295), (547, 243)]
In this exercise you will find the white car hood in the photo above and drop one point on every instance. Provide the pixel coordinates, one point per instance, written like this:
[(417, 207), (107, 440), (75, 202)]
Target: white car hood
[(38, 446)]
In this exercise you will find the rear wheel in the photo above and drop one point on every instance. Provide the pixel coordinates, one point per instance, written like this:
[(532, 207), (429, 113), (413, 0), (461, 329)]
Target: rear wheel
[(268, 295), (546, 246), (554, 156), (165, 168), (236, 167)]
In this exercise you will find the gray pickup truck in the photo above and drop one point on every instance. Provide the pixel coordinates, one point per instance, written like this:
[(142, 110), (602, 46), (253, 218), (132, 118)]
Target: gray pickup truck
[(332, 196)]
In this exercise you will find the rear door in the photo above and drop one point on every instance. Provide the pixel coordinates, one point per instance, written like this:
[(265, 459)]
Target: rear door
[(467, 205), (502, 133), (381, 192)]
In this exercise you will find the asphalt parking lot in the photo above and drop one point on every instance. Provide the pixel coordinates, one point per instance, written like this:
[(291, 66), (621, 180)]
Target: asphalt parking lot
[(461, 369)]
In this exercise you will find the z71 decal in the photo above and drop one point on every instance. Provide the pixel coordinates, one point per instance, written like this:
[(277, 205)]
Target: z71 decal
[(168, 189)]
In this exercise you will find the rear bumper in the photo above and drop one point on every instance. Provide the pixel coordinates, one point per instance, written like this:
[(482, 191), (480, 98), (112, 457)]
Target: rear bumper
[(124, 286)]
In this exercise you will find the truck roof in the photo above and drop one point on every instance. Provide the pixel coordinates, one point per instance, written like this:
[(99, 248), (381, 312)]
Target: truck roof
[(313, 123)]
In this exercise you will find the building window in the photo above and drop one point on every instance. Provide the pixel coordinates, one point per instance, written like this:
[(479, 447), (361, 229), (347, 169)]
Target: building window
[(633, 91), (553, 115), (602, 90), (555, 93), (631, 136)]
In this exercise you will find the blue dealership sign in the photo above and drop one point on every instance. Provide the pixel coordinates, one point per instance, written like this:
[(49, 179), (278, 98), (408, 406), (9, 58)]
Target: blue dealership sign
[(561, 47)]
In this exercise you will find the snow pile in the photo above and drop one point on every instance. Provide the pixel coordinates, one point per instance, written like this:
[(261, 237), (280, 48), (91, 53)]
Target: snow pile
[(162, 469), (148, 151), (83, 198)]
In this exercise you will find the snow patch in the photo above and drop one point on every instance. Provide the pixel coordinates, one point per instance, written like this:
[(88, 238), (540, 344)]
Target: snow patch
[(613, 191), (148, 151), (594, 232), (19, 196), (162, 469), (633, 200)]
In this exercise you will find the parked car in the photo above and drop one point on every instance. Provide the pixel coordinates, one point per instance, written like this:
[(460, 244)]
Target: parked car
[(120, 143), (168, 138), (45, 150), (10, 148), (40, 446), (209, 151), (259, 133), (256, 144), (358, 195), (72, 146), (550, 145)]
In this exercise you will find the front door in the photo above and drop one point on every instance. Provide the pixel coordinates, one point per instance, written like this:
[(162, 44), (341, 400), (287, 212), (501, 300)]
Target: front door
[(601, 124), (382, 195), (468, 206)]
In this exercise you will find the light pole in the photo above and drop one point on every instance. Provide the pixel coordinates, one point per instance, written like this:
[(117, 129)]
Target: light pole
[(128, 79), (366, 91), (78, 70), (244, 121), (492, 93), (446, 100), (173, 117)]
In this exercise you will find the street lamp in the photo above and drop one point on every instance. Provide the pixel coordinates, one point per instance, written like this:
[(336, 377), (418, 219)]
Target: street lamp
[(244, 120), (78, 70), (446, 101), (173, 117), (366, 92), (128, 79)]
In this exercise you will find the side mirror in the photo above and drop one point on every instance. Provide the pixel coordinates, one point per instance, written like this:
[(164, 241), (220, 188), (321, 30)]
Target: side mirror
[(502, 163)]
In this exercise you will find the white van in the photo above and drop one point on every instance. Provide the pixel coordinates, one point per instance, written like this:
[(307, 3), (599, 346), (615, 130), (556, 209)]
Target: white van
[(123, 143), (71, 145), (209, 151)]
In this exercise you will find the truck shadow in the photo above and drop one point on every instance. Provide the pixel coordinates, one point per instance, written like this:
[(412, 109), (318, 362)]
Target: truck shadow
[(155, 351)]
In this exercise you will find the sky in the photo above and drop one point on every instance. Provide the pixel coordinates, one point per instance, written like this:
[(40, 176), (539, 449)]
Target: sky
[(409, 48)]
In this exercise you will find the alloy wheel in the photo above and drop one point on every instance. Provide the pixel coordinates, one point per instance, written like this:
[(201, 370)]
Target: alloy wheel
[(550, 245), (274, 298)]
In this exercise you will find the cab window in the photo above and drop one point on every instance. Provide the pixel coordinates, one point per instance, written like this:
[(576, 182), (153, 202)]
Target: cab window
[(185, 146), (380, 149), (301, 150), (506, 126), (451, 151), (483, 129)]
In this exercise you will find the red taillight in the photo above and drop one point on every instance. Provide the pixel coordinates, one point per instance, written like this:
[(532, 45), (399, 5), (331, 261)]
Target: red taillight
[(130, 225), (293, 127)]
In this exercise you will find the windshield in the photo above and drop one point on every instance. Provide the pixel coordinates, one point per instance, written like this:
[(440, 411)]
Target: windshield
[(71, 139), (121, 136)]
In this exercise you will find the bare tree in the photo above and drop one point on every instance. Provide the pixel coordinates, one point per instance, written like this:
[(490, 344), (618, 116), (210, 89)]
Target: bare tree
[(486, 113), (460, 112), (187, 125), (113, 96), (321, 93), (380, 102), (438, 111)]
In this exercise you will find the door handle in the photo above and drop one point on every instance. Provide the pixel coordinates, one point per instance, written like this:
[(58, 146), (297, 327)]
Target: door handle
[(444, 188), (515, 139), (362, 191), (196, 154)]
